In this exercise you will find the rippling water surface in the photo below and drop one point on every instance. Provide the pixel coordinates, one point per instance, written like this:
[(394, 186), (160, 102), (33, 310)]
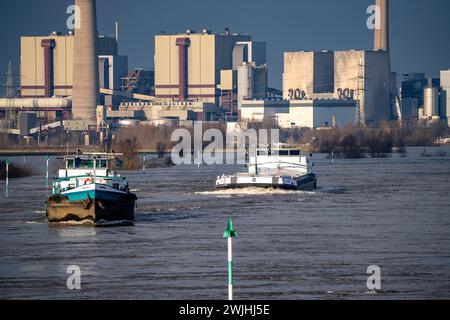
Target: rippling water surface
[(394, 213)]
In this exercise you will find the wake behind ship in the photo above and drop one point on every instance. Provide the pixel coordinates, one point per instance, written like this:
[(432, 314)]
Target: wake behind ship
[(87, 190)]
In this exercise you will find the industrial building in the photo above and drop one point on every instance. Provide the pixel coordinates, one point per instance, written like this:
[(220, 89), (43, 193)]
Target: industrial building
[(430, 109), (306, 113), (139, 81), (444, 108), (47, 65), (307, 73), (424, 98), (412, 91), (163, 111), (208, 67), (361, 75)]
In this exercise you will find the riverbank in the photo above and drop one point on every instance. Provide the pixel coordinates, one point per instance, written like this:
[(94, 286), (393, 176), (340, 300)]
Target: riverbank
[(348, 142)]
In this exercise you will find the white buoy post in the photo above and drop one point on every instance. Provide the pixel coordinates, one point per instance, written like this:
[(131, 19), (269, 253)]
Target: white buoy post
[(143, 162), (230, 268), (46, 172), (230, 234), (7, 178)]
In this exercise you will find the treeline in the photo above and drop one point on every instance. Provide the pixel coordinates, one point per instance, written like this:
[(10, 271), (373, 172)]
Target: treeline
[(130, 140), (353, 142), (348, 142)]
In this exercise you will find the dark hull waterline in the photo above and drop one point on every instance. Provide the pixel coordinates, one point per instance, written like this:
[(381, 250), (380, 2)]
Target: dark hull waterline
[(61, 209)]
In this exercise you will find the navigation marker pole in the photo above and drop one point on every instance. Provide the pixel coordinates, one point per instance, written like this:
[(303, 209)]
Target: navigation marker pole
[(230, 234), (7, 178), (143, 162), (46, 172)]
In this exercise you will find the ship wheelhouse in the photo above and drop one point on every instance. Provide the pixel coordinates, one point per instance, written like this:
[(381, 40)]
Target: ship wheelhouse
[(88, 169)]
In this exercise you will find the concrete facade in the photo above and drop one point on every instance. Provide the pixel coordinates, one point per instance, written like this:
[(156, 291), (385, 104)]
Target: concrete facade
[(249, 52), (252, 82), (207, 55), (32, 63), (322, 113), (357, 74), (222, 69), (445, 96), (307, 73), (181, 111), (301, 113), (365, 77), (266, 110), (111, 70)]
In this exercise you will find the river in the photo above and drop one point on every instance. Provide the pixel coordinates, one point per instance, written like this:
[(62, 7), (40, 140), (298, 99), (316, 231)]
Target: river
[(393, 213)]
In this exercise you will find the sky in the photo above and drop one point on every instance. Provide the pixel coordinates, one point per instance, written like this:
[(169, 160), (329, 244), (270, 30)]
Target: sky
[(420, 29)]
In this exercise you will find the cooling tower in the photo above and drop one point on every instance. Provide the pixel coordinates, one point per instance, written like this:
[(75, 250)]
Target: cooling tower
[(381, 41), (85, 70)]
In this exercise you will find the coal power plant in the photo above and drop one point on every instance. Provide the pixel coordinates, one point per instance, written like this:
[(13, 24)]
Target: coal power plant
[(79, 82)]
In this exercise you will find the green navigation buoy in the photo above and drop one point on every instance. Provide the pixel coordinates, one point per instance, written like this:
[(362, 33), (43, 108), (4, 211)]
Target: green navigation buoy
[(229, 234)]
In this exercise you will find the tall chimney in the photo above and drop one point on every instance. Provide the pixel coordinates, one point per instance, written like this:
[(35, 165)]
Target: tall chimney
[(381, 39), (117, 36), (85, 91)]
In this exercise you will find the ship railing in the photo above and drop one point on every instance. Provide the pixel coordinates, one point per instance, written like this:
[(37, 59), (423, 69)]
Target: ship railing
[(87, 176), (110, 181), (280, 164)]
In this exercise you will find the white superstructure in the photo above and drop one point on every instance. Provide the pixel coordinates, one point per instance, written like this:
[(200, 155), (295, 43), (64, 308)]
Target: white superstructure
[(283, 167)]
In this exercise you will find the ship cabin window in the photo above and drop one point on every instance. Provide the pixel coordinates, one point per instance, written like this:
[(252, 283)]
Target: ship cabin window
[(86, 163), (263, 152), (288, 153), (70, 163), (116, 186), (83, 163), (101, 164)]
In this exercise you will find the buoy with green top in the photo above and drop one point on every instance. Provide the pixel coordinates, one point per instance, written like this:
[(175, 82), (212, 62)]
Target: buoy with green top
[(230, 234)]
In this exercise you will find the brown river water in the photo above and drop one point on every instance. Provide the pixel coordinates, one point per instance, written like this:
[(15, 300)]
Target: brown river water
[(393, 213)]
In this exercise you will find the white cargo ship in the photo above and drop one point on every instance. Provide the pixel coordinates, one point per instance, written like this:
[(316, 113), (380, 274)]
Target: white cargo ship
[(279, 167)]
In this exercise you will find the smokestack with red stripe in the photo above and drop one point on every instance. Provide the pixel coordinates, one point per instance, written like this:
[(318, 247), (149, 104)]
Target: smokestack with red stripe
[(381, 39), (49, 45), (183, 45), (85, 69)]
